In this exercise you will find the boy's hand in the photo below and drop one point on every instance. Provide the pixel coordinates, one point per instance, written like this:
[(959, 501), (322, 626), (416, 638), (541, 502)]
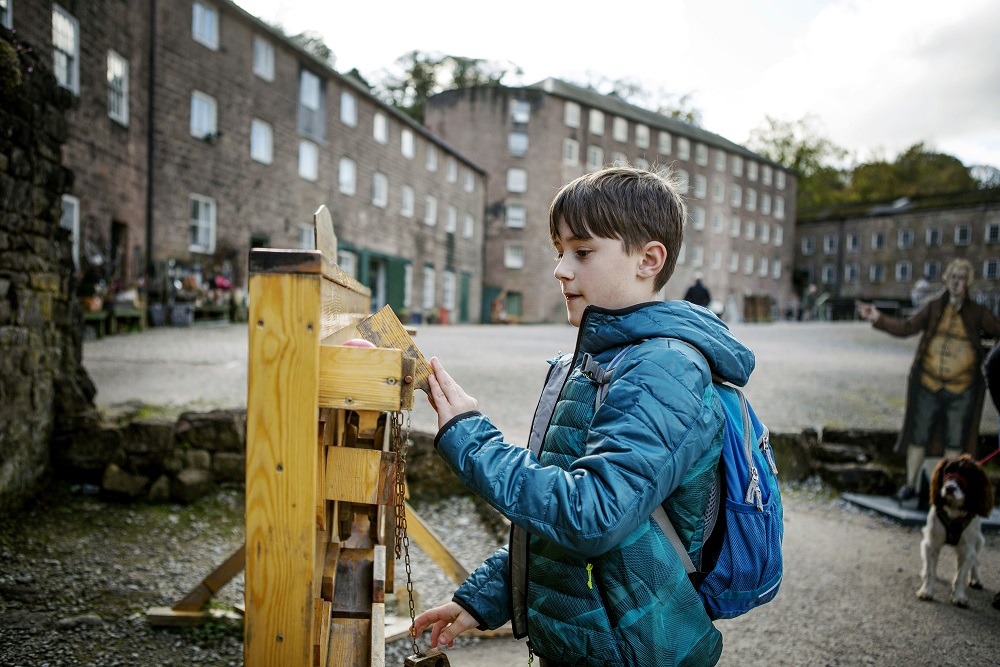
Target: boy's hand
[(449, 621), (446, 397)]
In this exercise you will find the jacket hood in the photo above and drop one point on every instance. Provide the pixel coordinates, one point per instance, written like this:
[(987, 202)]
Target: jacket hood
[(603, 330)]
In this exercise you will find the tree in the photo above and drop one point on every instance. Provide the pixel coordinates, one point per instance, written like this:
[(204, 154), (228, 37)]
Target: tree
[(915, 171), (313, 43), (635, 92)]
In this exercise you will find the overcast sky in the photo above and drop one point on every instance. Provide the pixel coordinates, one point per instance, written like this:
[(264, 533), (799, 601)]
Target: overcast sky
[(879, 75)]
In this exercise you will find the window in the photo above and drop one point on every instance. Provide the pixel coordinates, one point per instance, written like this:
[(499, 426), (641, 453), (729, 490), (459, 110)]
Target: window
[(751, 230), (683, 148), (642, 136), (571, 114), (716, 259), (779, 208), (876, 273), (205, 25), (829, 244), (347, 176), (66, 49), (904, 239), (808, 245), (933, 236), (718, 190), (619, 129), (878, 240), (828, 274), (751, 170), (571, 152), (717, 223), (779, 180), (779, 234), (932, 270), (991, 269), (640, 163), (853, 242), (450, 220), (311, 120), (736, 196), (765, 175), (469, 182), (993, 232), (617, 157), (517, 144), (596, 122), (748, 265), (720, 160), (698, 218), (308, 160), (469, 226), (407, 203), (683, 182), (751, 199), (734, 227), (701, 154), (202, 238), (700, 186), (762, 267), (380, 190), (430, 210), (261, 141), (452, 170), (348, 109), (734, 262), (70, 220), (595, 157), (6, 14), (263, 58), (429, 288), (765, 233), (516, 216), (663, 143), (963, 234), (348, 262), (520, 111), (380, 128), (432, 158), (406, 144), (904, 271), (737, 166), (117, 88), (765, 204), (697, 256), (448, 290), (852, 272), (776, 269), (513, 256), (517, 180), (203, 115), (307, 236)]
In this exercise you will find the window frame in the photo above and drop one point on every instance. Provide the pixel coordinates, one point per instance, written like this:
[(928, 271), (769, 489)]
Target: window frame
[(380, 190), (308, 160), (263, 58), (73, 227), (348, 109), (212, 108), (120, 91), (346, 167), (72, 64), (257, 127), (211, 224), (205, 34)]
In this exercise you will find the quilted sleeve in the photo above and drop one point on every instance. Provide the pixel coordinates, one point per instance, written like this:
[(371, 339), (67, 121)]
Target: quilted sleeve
[(486, 593)]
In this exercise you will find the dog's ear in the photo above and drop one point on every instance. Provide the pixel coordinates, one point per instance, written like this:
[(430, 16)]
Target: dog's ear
[(985, 494), (937, 480)]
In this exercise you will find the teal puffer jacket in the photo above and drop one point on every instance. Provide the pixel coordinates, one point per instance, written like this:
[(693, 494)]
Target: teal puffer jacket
[(604, 586)]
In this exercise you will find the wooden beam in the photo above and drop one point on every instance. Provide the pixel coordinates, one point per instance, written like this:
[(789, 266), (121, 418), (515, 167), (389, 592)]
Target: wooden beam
[(359, 378), (385, 330), (211, 584), (364, 476)]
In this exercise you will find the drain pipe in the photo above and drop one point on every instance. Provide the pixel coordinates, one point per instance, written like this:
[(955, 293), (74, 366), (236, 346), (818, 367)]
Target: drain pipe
[(150, 138)]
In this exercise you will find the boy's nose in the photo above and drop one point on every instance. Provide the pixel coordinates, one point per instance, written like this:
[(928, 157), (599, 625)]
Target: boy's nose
[(560, 271)]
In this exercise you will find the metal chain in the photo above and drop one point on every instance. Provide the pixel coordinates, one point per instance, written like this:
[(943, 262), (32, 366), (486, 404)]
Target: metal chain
[(400, 442)]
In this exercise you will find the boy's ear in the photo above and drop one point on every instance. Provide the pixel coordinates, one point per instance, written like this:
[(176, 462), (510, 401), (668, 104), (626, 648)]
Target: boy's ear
[(653, 256)]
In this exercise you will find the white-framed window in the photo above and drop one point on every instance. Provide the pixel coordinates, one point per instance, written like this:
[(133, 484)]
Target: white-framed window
[(735, 226), (683, 148), (779, 235), (853, 242), (765, 204), (762, 267), (380, 128), (765, 174), (701, 154), (348, 262), (748, 265), (765, 232), (736, 196), (70, 220), (716, 259), (203, 115), (617, 157), (751, 170), (202, 224), (517, 144), (779, 179), (347, 176), (595, 157), (683, 181), (450, 219), (697, 256), (448, 283), (751, 199), (311, 118), (407, 202), (469, 181), (663, 141), (933, 237), (717, 223), (451, 169), (407, 144), (430, 210), (776, 269), (571, 114), (380, 190), (308, 160), (963, 234), (516, 216), (640, 163), (720, 160), (904, 271), (431, 162), (642, 136), (718, 190), (520, 111), (750, 230), (698, 218), (700, 186), (307, 236), (779, 208), (595, 122), (469, 226), (430, 278), (571, 152), (263, 58), (66, 49), (517, 180), (261, 141), (513, 256), (117, 87), (348, 109), (878, 240), (852, 273), (904, 239), (619, 129), (992, 234), (205, 25), (7, 13), (808, 245), (734, 262), (829, 244), (828, 274), (932, 270), (991, 268), (737, 166), (876, 273)]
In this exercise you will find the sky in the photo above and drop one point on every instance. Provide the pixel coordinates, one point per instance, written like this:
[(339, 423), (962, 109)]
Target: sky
[(874, 76)]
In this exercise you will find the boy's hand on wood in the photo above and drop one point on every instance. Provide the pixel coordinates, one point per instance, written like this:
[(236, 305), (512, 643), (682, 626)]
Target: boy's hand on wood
[(449, 621), (446, 397)]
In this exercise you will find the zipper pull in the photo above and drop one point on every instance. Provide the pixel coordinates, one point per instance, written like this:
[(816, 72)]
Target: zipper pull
[(590, 576)]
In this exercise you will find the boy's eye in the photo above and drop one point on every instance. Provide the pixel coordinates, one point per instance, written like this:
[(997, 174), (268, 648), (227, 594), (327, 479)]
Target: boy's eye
[(583, 252)]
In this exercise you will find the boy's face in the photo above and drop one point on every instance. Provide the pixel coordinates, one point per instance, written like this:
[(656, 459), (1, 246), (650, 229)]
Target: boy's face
[(598, 271)]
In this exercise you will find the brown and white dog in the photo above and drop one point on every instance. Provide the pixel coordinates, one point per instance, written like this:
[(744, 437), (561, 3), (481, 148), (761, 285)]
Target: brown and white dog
[(960, 494)]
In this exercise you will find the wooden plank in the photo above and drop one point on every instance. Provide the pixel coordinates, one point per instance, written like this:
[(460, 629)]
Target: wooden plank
[(350, 642), (378, 607), (343, 307), (385, 330), (365, 476), (326, 238), (321, 632), (211, 584), (359, 378), (352, 594), (329, 577), (420, 533), (167, 617), (281, 483)]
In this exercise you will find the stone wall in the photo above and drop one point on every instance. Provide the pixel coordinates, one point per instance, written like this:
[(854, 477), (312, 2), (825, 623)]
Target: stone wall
[(45, 394)]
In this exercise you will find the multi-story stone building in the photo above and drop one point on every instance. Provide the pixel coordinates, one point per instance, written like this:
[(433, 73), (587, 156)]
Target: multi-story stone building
[(532, 140), (878, 251), (199, 132)]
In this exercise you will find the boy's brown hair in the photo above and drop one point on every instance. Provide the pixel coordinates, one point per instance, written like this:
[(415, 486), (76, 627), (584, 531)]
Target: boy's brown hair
[(633, 205)]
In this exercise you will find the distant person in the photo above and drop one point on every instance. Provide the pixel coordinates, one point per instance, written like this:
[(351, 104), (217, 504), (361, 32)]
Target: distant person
[(944, 398), (807, 309), (698, 294), (920, 293)]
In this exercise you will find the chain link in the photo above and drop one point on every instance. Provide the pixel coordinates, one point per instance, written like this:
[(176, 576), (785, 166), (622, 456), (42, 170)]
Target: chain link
[(400, 442)]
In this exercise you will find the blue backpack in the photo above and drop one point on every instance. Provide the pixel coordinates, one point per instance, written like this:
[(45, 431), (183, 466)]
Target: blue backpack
[(741, 556)]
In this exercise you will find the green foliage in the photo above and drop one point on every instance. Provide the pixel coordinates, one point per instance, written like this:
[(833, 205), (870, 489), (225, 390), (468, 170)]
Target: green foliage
[(634, 92), (314, 44)]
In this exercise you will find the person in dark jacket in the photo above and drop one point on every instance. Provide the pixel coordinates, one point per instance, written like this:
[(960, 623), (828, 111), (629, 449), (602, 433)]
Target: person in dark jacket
[(589, 576), (945, 389), (698, 294)]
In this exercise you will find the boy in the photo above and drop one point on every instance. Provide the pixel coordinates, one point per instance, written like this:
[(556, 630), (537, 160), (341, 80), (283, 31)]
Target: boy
[(589, 576)]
